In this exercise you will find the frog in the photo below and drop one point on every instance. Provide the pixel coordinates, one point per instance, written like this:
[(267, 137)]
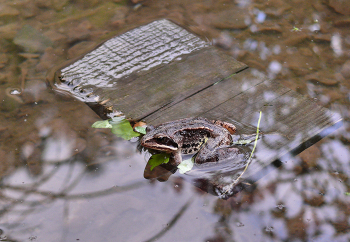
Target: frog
[(209, 140)]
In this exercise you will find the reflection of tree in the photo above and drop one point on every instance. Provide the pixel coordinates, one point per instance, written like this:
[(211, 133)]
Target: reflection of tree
[(298, 201), (172, 222), (21, 201), (63, 195)]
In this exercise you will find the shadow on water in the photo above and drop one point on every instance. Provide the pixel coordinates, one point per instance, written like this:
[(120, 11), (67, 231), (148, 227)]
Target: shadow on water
[(61, 180)]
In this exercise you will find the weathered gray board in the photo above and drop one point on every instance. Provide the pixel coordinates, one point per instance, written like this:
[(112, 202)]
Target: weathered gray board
[(145, 69), (161, 72)]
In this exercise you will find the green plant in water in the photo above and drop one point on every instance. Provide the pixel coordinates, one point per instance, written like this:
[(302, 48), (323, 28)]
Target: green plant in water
[(158, 159), (296, 29), (120, 127), (103, 124), (255, 142)]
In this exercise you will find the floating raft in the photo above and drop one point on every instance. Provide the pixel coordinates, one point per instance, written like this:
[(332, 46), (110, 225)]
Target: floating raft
[(161, 72)]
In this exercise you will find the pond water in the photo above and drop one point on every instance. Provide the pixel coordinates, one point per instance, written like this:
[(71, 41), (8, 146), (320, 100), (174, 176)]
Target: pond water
[(62, 180)]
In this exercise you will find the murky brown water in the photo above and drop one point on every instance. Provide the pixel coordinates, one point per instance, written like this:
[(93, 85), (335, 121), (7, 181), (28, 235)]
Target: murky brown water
[(61, 180)]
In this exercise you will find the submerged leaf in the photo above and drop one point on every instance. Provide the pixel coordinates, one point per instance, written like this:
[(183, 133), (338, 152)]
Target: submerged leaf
[(158, 159), (122, 128), (185, 166), (140, 129), (102, 124)]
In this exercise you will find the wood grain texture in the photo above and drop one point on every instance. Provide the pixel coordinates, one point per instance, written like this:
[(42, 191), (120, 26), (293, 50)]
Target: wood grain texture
[(145, 69), (141, 95)]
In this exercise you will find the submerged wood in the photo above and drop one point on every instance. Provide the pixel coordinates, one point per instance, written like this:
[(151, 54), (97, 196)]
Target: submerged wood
[(162, 72)]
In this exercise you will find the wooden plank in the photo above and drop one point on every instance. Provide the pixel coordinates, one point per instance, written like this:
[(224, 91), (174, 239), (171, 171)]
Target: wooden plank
[(216, 101), (141, 95), (145, 69)]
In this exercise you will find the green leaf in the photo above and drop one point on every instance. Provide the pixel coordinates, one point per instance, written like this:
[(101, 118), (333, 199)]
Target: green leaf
[(185, 166), (122, 128), (158, 159), (102, 124), (347, 193), (140, 129), (295, 29)]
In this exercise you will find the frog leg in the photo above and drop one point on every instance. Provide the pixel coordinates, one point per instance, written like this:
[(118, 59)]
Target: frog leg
[(230, 127), (214, 150), (218, 154), (175, 158)]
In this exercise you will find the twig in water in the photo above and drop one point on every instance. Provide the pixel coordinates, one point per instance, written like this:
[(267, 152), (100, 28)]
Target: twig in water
[(250, 157)]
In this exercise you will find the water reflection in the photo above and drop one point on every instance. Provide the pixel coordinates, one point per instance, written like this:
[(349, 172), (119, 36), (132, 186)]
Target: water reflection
[(59, 189), (291, 207), (305, 199)]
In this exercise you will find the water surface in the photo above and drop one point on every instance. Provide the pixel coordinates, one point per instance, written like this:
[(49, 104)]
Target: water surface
[(61, 180)]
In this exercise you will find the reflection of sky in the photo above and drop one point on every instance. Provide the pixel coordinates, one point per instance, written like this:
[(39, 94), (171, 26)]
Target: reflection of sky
[(58, 149), (336, 44), (336, 152)]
